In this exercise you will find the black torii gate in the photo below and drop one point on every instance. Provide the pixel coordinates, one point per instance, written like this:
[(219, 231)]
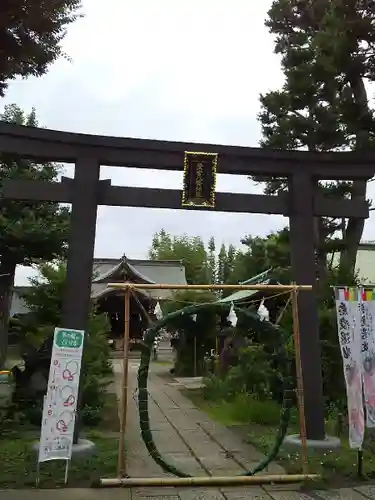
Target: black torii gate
[(85, 192)]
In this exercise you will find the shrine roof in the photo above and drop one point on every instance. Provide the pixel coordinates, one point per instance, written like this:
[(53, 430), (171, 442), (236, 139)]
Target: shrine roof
[(137, 271), (264, 278)]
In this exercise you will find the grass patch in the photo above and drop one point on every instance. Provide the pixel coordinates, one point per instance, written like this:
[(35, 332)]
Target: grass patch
[(18, 459), (18, 468), (257, 423), (162, 362)]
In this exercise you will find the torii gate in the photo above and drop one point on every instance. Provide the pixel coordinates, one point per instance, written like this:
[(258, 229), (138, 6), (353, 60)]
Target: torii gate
[(85, 192)]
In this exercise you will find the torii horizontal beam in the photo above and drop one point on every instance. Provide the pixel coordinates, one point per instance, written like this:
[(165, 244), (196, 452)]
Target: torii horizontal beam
[(171, 198), (50, 145)]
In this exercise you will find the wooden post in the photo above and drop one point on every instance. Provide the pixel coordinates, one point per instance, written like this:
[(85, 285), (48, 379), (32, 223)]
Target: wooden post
[(122, 466), (302, 249), (195, 355), (299, 377)]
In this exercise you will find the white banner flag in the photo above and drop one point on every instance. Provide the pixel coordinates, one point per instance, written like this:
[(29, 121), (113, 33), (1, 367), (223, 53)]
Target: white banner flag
[(367, 307), (349, 330), (60, 402)]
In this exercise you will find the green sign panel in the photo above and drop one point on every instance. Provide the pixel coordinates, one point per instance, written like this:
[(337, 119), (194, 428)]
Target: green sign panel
[(72, 339)]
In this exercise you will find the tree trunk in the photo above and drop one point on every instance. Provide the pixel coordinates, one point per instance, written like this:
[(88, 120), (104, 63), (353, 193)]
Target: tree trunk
[(7, 272), (353, 233), (354, 228)]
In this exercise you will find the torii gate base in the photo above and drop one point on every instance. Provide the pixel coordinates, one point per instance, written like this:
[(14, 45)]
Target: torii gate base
[(301, 204)]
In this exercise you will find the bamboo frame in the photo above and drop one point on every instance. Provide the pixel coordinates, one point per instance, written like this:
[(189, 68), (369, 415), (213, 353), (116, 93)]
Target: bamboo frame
[(161, 286), (299, 377), (155, 482), (124, 481), (122, 463)]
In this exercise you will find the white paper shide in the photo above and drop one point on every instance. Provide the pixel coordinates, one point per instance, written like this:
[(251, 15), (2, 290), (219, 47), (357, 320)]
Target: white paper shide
[(60, 402)]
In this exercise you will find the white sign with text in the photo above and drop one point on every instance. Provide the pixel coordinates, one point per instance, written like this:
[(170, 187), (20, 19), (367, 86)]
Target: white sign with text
[(60, 402)]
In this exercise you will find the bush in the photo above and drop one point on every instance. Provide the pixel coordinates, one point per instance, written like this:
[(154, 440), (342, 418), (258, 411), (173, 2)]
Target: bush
[(246, 408), (44, 299), (202, 331), (96, 369)]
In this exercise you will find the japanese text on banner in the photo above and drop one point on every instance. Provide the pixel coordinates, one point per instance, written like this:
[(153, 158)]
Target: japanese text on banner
[(348, 322), (367, 308)]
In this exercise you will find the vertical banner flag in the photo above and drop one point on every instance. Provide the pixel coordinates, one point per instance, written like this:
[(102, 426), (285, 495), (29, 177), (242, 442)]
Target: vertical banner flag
[(60, 402), (349, 329), (367, 308)]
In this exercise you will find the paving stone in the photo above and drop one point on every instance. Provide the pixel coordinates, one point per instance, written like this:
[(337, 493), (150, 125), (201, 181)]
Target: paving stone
[(61, 494), (153, 492), (219, 461), (289, 495), (368, 491), (245, 493), (152, 496), (342, 494), (183, 461), (200, 494), (195, 436), (282, 487), (159, 425)]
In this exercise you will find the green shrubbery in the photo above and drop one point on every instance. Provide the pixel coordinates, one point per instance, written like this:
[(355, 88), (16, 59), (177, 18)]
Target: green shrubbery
[(257, 379), (246, 389), (200, 333), (44, 299)]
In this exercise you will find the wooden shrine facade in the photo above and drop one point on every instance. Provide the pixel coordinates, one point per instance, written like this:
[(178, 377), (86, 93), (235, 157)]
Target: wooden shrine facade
[(85, 192)]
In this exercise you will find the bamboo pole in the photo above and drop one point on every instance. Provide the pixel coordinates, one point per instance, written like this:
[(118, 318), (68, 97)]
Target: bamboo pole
[(300, 390), (195, 355), (163, 286), (217, 356), (140, 305), (206, 481), (122, 466)]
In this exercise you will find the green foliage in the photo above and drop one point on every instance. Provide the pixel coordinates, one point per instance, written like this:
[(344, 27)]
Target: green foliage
[(202, 265), (327, 51), (202, 331), (44, 299), (253, 374), (44, 296), (240, 407), (271, 251), (257, 372), (30, 231), (31, 35), (189, 250)]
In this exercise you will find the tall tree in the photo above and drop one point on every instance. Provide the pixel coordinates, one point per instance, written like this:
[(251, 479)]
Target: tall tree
[(30, 232), (31, 34), (221, 264), (189, 250), (211, 260), (327, 50), (229, 263), (261, 254)]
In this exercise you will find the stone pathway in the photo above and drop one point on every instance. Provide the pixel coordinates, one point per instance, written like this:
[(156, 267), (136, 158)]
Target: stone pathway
[(190, 440), (187, 438)]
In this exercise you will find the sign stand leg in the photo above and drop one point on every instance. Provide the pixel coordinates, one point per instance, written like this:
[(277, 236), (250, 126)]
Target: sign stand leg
[(37, 474), (66, 471)]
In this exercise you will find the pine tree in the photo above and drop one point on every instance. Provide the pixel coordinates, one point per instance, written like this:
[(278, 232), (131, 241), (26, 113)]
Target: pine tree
[(221, 264), (211, 260), (327, 50)]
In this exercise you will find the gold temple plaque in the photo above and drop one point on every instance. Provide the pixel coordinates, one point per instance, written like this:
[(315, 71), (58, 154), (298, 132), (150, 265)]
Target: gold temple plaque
[(199, 179)]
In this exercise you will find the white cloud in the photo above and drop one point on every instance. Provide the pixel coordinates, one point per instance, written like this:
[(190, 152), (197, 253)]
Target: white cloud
[(187, 70)]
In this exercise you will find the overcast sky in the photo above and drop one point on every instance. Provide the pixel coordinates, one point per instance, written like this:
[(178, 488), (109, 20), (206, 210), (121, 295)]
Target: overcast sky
[(184, 71)]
